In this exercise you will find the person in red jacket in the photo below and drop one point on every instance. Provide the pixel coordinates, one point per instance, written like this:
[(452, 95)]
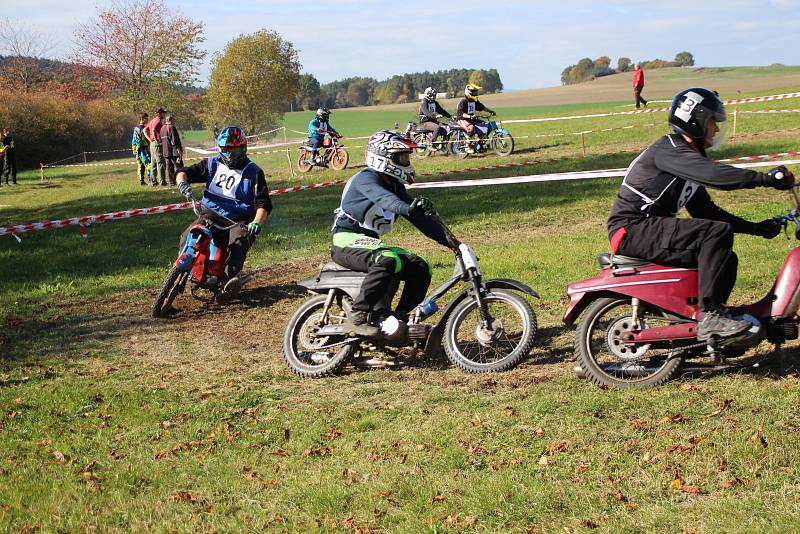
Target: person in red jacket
[(638, 85)]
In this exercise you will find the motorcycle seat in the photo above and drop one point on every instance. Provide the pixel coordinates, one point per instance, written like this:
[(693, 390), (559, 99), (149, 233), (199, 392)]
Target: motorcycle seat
[(333, 266), (618, 261)]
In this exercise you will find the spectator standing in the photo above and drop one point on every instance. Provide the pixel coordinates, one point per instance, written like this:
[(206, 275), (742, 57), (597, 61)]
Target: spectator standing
[(9, 156), (172, 148), (141, 150), (638, 85), (152, 131)]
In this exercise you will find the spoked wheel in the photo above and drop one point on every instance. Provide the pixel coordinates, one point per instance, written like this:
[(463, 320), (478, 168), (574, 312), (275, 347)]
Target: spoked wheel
[(173, 284), (476, 349), (502, 144), (302, 164), (339, 159), (608, 360), (313, 357), (424, 146), (459, 145)]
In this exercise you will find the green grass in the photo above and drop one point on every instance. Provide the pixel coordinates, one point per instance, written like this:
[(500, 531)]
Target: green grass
[(113, 421)]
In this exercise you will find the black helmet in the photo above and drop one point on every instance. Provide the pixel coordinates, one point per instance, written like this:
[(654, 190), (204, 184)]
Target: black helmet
[(323, 113), (692, 110)]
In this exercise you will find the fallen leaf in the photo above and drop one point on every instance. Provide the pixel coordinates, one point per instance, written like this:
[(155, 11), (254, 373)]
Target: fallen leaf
[(317, 451), (280, 452), (689, 387), (42, 443), (543, 461), (641, 424), (18, 400), (59, 456), (588, 523), (437, 498), (789, 470), (725, 405), (677, 418), (691, 488), (618, 495), (676, 484), (509, 411), (166, 424), (538, 432), (557, 446), (182, 496), (277, 519), (332, 433), (733, 482), (271, 483)]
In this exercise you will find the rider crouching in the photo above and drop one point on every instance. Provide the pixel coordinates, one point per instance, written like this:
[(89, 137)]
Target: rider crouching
[(429, 110), (673, 173), (371, 202), (317, 128), (237, 189), (466, 110)]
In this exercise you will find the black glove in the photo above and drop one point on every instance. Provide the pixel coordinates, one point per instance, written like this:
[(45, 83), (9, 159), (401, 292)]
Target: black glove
[(186, 190), (768, 228), (253, 229), (421, 205), (781, 178)]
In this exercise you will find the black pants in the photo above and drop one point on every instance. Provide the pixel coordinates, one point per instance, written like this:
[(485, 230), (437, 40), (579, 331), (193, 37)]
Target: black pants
[(436, 129), (171, 166), (9, 166), (637, 95), (385, 266), (707, 245), (236, 240)]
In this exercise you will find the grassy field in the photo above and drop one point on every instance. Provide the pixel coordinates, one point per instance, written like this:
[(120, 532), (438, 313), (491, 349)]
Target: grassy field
[(113, 421)]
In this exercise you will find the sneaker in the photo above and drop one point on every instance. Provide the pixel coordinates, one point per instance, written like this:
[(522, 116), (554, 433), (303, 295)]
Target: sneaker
[(358, 325), (163, 184), (717, 323), (230, 290)]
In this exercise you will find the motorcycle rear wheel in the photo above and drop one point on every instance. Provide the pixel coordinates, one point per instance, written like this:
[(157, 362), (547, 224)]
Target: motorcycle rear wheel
[(301, 351), (425, 148), (173, 284), (468, 347), (502, 144), (339, 159), (607, 361), (302, 163)]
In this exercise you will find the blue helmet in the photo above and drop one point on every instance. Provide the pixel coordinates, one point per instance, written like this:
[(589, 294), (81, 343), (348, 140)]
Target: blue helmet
[(232, 137)]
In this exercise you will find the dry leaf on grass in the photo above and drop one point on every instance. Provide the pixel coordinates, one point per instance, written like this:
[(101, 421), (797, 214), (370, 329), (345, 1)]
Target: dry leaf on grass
[(509, 411), (332, 433), (725, 405), (182, 496), (59, 457), (437, 498)]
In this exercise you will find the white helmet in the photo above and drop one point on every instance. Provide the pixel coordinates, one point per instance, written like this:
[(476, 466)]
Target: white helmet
[(390, 153), (430, 94)]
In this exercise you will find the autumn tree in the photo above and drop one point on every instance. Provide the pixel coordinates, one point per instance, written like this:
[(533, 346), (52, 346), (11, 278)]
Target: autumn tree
[(142, 49), (684, 59), (624, 64), (23, 45), (253, 80)]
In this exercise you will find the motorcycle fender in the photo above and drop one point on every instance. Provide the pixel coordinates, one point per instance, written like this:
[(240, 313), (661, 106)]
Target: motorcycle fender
[(435, 337), (504, 131)]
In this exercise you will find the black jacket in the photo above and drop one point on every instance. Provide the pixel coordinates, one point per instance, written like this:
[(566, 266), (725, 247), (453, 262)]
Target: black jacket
[(429, 110), (670, 175)]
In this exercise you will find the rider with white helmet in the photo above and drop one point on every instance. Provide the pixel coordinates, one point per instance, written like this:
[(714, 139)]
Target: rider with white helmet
[(318, 127), (429, 112), (371, 202)]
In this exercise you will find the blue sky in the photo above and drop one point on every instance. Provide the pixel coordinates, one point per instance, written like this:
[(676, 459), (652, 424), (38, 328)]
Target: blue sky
[(528, 42)]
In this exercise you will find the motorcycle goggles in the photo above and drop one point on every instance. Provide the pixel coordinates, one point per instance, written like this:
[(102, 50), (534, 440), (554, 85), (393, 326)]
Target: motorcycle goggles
[(232, 156)]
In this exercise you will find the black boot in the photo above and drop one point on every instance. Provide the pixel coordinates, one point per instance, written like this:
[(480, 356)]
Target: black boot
[(230, 291), (358, 325)]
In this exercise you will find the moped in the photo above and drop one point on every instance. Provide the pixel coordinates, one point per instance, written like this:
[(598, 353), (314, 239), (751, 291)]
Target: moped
[(638, 320)]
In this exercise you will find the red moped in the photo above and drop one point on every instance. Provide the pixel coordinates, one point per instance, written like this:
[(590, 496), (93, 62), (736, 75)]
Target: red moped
[(639, 319)]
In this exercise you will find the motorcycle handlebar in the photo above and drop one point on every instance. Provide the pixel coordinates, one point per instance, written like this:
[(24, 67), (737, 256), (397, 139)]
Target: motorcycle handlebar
[(452, 240), (212, 216)]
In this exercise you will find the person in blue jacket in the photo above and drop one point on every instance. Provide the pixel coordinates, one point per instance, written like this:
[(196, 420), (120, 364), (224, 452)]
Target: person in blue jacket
[(236, 188), (317, 128), (372, 201)]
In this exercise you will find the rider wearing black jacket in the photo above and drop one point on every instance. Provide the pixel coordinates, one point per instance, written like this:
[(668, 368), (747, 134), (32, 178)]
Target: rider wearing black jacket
[(429, 110), (673, 173)]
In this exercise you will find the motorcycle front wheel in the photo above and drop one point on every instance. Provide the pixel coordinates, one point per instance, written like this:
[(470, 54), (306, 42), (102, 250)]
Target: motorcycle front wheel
[(459, 144), (302, 161), (312, 357), (502, 144), (424, 148), (173, 284), (339, 159), (607, 360), (474, 348)]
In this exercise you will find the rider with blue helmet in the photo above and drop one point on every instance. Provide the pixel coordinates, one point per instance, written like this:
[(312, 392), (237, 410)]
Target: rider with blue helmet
[(235, 188)]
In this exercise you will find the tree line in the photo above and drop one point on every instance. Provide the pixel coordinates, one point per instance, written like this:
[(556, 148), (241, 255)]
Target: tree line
[(401, 88), (588, 69)]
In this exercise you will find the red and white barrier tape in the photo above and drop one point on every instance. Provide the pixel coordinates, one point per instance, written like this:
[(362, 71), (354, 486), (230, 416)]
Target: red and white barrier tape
[(573, 175), (769, 111)]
